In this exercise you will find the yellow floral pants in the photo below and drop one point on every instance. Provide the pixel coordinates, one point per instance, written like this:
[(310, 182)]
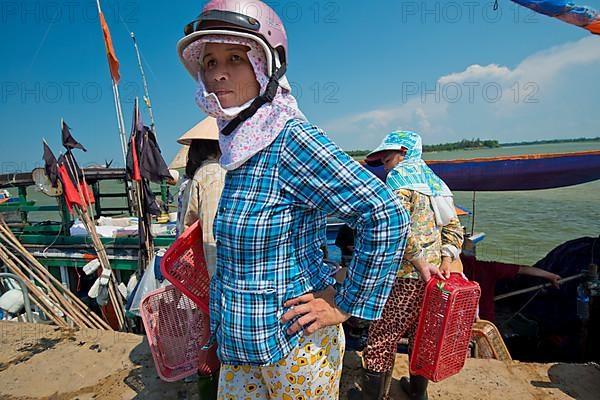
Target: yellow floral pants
[(311, 371)]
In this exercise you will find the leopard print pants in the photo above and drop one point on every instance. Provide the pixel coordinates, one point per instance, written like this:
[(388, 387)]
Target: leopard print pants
[(400, 318)]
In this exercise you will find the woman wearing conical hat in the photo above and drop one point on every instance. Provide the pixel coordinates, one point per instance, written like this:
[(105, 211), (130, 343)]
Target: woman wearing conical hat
[(201, 191)]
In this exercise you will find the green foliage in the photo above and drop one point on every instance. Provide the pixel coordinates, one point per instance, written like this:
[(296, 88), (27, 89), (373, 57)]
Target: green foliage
[(463, 144), (576, 140), (478, 144)]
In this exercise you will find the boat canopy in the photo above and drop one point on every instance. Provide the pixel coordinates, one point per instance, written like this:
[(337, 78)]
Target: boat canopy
[(529, 172)]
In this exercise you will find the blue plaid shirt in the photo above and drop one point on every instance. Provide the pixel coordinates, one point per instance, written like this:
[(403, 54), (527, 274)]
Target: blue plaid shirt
[(269, 229)]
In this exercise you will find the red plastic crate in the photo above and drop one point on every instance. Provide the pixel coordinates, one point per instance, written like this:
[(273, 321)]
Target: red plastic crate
[(177, 329), (184, 266), (445, 324)]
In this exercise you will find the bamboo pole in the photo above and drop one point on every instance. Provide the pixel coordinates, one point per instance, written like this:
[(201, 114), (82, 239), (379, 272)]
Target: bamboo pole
[(81, 316), (98, 246), (38, 296), (142, 219), (6, 233), (143, 257), (41, 268), (116, 303), (52, 294), (146, 91), (537, 287), (120, 120), (117, 99)]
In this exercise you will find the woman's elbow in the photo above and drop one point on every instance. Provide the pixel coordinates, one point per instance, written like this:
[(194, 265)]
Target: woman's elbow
[(399, 218)]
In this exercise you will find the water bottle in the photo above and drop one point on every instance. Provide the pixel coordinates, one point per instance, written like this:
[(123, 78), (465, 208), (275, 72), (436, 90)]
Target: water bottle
[(583, 303)]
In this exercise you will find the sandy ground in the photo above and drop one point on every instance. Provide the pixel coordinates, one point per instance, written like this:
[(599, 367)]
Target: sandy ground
[(42, 362)]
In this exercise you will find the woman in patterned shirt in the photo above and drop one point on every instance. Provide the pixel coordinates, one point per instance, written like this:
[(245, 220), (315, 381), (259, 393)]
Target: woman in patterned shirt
[(274, 312), (433, 244)]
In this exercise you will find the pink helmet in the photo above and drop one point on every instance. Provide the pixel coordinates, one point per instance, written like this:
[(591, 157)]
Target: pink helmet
[(251, 19)]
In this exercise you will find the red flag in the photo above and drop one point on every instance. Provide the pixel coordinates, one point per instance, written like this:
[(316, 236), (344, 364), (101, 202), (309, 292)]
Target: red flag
[(136, 164), (113, 62), (88, 194), (69, 190), (137, 128)]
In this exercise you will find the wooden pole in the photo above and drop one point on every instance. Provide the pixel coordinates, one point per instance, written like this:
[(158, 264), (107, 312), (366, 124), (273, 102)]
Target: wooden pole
[(537, 287), (6, 233), (97, 243), (119, 111), (80, 316), (147, 93), (39, 298)]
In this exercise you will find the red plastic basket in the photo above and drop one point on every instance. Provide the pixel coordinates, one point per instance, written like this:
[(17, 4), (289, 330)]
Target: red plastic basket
[(177, 329), (184, 266), (444, 331)]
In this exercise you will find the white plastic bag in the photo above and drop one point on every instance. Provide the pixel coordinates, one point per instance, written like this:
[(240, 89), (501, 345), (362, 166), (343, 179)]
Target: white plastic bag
[(147, 284), (12, 301)]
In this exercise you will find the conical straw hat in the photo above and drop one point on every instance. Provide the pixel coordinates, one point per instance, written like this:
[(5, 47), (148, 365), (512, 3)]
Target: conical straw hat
[(180, 159), (206, 129)]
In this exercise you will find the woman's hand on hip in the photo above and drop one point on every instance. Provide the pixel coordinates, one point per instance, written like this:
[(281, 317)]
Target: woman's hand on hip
[(316, 310)]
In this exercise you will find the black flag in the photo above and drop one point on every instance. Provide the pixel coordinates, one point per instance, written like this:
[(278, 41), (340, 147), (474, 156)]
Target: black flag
[(71, 165), (144, 148), (68, 141), (152, 164), (50, 165)]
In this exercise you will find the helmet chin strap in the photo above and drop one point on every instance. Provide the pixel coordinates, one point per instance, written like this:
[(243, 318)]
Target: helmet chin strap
[(258, 102)]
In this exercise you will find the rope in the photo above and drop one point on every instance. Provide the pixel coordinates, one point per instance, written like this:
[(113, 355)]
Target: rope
[(522, 308)]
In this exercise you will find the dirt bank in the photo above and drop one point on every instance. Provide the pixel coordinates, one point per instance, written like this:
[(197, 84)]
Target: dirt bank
[(41, 362)]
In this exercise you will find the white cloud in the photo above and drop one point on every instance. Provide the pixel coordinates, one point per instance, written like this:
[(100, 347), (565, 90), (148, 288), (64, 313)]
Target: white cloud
[(476, 72), (548, 94)]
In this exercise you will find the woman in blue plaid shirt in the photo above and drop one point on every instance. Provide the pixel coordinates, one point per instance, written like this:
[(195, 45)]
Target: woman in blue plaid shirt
[(274, 311)]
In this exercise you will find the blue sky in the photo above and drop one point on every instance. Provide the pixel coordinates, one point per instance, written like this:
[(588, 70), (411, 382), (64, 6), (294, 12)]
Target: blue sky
[(449, 70)]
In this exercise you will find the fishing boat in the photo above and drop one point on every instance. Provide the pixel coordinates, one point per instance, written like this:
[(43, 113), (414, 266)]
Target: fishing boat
[(57, 245)]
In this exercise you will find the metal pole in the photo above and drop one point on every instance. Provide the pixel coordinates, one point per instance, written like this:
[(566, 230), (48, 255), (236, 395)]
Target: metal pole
[(537, 287), (473, 215), (117, 99), (120, 121)]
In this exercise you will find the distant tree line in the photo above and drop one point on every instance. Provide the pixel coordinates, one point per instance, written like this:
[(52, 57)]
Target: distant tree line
[(463, 144), (552, 141), (480, 144)]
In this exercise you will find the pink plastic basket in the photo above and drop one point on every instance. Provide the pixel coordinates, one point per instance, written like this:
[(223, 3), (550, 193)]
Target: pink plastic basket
[(444, 331), (177, 329), (184, 266)]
